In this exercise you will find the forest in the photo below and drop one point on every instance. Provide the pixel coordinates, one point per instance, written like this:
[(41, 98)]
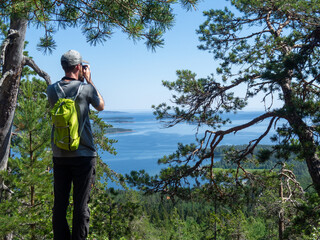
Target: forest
[(271, 48), (243, 211)]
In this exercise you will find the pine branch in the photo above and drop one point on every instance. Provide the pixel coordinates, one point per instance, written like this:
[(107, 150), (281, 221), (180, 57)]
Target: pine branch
[(235, 129)]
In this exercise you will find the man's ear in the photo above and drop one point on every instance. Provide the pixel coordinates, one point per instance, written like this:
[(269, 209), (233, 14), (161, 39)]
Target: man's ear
[(78, 67)]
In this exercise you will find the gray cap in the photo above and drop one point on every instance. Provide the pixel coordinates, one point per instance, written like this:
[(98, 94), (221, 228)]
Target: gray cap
[(71, 58)]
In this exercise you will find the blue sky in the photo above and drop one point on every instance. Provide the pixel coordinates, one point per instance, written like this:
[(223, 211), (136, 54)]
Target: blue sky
[(127, 74)]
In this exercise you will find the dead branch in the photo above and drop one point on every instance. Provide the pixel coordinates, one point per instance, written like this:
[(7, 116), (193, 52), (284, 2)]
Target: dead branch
[(3, 187), (29, 62), (246, 173), (222, 133), (219, 135), (5, 75), (289, 177), (272, 30), (249, 150)]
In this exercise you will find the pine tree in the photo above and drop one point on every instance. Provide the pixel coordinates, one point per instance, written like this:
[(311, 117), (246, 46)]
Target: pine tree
[(271, 49), (112, 213), (139, 19), (27, 211), (26, 208)]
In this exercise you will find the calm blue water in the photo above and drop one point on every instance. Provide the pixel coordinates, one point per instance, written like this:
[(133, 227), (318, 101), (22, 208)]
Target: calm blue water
[(149, 140)]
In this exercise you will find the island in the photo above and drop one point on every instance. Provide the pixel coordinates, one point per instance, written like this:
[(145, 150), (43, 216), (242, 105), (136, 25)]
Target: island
[(118, 130)]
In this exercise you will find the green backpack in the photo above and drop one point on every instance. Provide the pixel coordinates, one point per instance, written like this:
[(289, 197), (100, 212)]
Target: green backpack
[(65, 120)]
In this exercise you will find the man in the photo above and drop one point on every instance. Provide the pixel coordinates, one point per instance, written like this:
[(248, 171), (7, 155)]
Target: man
[(76, 167)]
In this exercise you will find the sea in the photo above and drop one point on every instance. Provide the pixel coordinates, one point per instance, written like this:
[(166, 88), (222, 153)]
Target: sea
[(142, 139)]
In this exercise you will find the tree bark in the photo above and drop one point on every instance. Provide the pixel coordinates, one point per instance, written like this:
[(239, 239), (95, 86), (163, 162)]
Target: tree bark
[(12, 57), (309, 146), (281, 212), (11, 74), (305, 135)]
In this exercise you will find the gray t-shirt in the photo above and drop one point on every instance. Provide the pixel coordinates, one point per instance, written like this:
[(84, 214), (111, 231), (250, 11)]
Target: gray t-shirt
[(87, 96)]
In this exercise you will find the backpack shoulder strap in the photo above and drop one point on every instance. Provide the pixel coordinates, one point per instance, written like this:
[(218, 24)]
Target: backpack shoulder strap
[(59, 90), (82, 127), (85, 119), (62, 94), (78, 92)]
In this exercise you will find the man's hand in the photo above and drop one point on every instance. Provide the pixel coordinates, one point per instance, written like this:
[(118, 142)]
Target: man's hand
[(87, 76), (87, 73)]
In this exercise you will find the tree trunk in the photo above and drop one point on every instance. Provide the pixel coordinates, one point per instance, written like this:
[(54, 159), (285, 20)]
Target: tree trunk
[(9, 85), (309, 148), (12, 67), (311, 156), (281, 212), (215, 220), (304, 133)]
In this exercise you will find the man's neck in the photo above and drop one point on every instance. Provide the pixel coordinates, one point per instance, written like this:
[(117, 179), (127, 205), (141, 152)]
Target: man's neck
[(68, 79), (71, 76)]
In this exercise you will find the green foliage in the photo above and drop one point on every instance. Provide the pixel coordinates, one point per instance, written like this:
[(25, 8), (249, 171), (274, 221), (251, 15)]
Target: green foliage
[(102, 143), (159, 218), (27, 209), (140, 19), (307, 219), (270, 49), (259, 160), (99, 132), (241, 204), (112, 217)]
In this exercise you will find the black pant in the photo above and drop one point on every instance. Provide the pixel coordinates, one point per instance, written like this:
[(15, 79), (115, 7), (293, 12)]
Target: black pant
[(81, 172)]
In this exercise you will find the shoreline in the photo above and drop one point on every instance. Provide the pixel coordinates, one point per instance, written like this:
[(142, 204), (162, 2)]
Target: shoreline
[(118, 130)]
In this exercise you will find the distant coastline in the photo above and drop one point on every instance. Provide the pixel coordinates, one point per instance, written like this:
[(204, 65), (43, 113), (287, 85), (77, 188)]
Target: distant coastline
[(118, 130), (119, 119)]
